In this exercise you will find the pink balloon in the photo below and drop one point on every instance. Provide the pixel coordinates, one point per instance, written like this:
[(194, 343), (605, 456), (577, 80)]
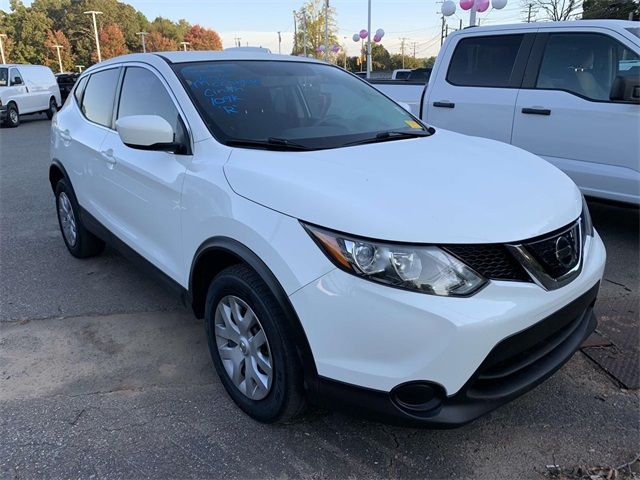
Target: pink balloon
[(466, 4), (377, 38), (335, 48), (363, 34), (482, 5)]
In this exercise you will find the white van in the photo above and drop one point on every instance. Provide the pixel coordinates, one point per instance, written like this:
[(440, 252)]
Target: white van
[(566, 91), (27, 89)]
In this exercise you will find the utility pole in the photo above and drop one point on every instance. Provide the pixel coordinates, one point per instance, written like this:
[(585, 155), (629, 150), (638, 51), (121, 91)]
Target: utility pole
[(295, 33), (93, 13), (402, 40), (414, 49), (2, 36), (460, 27), (442, 31), (304, 25), (369, 44), (184, 45), (472, 15), (446, 30), (142, 36), (237, 40), (326, 30), (529, 14), (279, 43), (58, 48), (345, 53)]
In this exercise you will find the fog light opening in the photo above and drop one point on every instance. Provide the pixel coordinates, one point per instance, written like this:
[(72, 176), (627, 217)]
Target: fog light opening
[(418, 397)]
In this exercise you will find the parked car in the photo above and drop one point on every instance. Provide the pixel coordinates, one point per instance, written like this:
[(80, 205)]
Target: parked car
[(66, 81), (566, 91), (338, 249), (26, 89), (400, 74)]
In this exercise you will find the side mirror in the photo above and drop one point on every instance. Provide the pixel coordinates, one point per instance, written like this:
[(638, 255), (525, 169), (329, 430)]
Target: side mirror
[(405, 105), (147, 132), (17, 81), (626, 88)]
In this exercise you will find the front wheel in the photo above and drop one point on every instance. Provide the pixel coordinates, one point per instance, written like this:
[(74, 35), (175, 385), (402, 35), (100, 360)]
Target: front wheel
[(251, 349), (13, 116), (53, 108)]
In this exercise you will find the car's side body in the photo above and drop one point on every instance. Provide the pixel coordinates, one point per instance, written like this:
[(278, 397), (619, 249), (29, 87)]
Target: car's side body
[(30, 88), (192, 214), (530, 86)]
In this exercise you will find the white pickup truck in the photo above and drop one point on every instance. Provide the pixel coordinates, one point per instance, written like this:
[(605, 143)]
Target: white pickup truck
[(566, 91)]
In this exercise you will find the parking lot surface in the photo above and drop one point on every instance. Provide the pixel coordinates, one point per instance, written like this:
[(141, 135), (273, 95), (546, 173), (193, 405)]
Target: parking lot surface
[(104, 374)]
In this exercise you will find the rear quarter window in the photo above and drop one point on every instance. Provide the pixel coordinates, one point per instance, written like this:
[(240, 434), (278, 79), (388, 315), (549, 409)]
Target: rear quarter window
[(484, 61), (99, 96)]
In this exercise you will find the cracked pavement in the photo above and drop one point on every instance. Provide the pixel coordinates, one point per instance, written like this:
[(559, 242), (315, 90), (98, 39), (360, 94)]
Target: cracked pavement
[(103, 374)]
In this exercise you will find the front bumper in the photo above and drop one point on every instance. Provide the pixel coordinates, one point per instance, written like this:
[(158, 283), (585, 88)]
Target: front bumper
[(368, 339)]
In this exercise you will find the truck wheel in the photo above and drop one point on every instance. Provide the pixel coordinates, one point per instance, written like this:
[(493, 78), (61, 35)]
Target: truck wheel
[(13, 117), (53, 108), (80, 242), (251, 349)]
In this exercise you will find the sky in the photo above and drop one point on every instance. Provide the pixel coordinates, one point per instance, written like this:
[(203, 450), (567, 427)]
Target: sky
[(257, 22)]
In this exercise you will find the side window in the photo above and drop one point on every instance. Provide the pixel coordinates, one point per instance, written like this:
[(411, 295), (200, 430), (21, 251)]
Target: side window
[(99, 95), (144, 94), (79, 89), (585, 64), (484, 61), (15, 77)]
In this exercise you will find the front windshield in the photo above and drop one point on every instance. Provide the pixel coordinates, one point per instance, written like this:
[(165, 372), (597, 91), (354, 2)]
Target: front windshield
[(4, 77), (313, 105)]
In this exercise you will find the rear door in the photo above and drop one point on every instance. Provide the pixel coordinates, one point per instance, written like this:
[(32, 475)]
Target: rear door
[(565, 115), (145, 186), (476, 94)]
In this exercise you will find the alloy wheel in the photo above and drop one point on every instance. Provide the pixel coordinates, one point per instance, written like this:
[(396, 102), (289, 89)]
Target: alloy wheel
[(67, 219), (243, 347)]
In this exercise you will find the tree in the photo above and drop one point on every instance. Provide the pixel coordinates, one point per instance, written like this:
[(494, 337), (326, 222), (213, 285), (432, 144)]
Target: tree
[(57, 37), (380, 57), (156, 42), (203, 38), (312, 15), (112, 43), (621, 9), (409, 62), (28, 31), (555, 10), (169, 29)]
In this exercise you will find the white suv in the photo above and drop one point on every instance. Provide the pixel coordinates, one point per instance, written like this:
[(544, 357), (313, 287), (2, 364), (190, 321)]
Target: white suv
[(338, 249)]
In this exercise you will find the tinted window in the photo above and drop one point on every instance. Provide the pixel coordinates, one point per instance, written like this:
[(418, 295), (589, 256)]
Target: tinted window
[(317, 105), (79, 90), (4, 77), (97, 103), (14, 75), (585, 64), (144, 94), (484, 61)]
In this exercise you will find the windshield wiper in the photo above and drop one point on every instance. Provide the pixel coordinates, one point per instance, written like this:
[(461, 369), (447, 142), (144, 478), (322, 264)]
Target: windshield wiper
[(273, 143), (391, 135)]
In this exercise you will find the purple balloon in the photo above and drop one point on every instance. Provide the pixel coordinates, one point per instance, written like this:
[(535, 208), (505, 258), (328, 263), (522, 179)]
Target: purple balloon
[(363, 34), (335, 48), (466, 4), (482, 5), (377, 38)]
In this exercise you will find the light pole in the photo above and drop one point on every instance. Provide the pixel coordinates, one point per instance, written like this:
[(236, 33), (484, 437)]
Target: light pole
[(326, 30), (2, 35), (279, 43), (58, 48), (184, 45), (142, 36), (80, 67), (93, 14), (304, 24)]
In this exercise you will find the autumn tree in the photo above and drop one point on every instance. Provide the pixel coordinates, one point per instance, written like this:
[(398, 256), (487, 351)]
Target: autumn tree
[(112, 43), (311, 18), (156, 42), (201, 38), (57, 37)]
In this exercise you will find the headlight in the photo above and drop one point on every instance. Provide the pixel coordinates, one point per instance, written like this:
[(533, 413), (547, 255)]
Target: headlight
[(424, 269), (587, 224)]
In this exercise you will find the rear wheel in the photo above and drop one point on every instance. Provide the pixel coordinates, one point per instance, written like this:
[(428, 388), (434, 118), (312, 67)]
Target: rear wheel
[(80, 242), (250, 347), (13, 116), (53, 108)]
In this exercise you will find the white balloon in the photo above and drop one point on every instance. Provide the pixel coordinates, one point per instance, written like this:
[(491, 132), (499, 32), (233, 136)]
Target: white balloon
[(380, 32), (499, 4), (356, 37), (449, 8)]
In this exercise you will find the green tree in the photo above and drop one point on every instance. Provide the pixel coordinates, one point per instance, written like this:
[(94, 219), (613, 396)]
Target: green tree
[(203, 38), (620, 9), (28, 30), (169, 29), (312, 15)]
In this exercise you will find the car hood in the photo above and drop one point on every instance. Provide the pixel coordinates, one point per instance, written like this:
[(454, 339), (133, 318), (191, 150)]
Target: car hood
[(447, 188)]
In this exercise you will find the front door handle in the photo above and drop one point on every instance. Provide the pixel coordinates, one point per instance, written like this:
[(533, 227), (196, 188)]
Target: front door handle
[(108, 157), (65, 136), (536, 111), (444, 104)]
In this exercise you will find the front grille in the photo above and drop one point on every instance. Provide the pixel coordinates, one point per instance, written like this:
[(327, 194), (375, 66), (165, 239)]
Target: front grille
[(492, 261), (559, 252)]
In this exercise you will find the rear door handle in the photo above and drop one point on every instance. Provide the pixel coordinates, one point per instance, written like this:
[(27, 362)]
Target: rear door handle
[(444, 104), (536, 111), (108, 157)]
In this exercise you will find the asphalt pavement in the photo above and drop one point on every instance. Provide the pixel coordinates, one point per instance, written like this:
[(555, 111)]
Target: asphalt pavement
[(105, 374)]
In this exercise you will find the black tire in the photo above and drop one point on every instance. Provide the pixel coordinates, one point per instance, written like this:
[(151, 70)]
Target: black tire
[(53, 108), (86, 243), (13, 116), (285, 398)]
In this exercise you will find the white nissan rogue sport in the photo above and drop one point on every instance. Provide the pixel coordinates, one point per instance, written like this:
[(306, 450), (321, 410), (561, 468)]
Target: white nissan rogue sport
[(339, 250)]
